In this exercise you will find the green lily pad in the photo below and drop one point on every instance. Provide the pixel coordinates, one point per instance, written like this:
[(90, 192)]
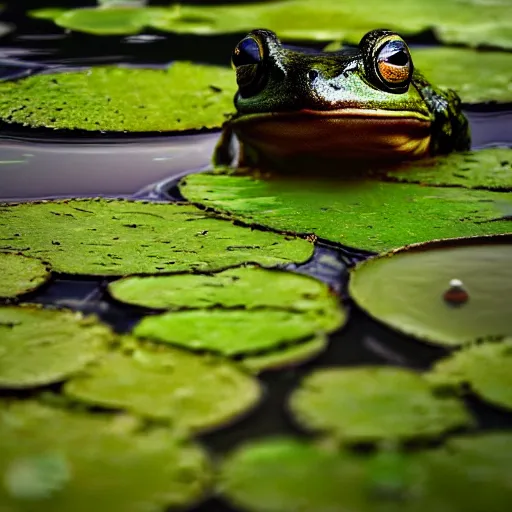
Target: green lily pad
[(193, 392), (184, 96), (486, 369), (489, 169), (40, 346), (235, 332), (469, 22), (56, 461), (20, 274), (366, 214), (373, 403), (406, 289), (247, 287), (118, 237), (289, 355), (286, 475)]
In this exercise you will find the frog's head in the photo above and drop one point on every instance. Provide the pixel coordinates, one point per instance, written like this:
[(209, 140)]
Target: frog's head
[(345, 103)]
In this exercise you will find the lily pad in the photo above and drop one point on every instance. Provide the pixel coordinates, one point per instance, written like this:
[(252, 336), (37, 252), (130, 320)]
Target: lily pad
[(469, 22), (40, 346), (286, 475), (118, 237), (20, 274), (289, 355), (247, 287), (184, 96), (489, 169), (485, 368), (54, 460), (237, 332), (193, 392), (406, 289), (365, 214), (372, 403)]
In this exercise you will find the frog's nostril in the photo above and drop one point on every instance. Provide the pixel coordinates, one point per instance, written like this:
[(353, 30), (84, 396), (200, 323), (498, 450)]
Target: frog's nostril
[(312, 74)]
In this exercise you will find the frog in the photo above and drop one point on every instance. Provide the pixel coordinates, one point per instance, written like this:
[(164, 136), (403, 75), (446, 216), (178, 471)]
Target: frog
[(361, 104)]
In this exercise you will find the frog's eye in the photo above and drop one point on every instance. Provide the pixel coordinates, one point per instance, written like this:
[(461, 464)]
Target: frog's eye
[(247, 60), (393, 63)]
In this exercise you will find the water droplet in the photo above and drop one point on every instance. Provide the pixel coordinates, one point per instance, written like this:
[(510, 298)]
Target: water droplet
[(456, 294)]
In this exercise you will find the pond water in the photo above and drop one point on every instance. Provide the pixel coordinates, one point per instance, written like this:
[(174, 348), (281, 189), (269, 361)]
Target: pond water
[(35, 165)]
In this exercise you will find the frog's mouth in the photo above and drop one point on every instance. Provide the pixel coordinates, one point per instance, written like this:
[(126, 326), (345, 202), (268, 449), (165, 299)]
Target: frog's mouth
[(344, 133)]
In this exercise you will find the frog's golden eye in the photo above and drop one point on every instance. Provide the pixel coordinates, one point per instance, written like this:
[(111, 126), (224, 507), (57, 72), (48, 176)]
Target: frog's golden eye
[(393, 63), (247, 61)]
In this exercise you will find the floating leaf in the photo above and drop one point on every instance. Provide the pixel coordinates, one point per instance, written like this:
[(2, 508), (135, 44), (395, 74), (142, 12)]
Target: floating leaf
[(373, 403), (489, 169), (184, 96), (247, 287), (116, 237), (193, 392), (237, 332), (40, 346), (286, 475), (93, 462), (485, 368), (366, 214), (406, 289), (20, 274)]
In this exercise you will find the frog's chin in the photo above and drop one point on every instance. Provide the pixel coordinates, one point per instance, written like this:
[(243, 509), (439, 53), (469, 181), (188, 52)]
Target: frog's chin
[(337, 134)]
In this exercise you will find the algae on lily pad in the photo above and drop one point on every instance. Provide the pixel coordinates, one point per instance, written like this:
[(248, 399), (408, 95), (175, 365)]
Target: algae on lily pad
[(485, 368), (119, 237), (286, 475), (184, 96), (20, 274), (56, 461), (42, 346), (247, 287), (236, 332), (406, 289), (369, 404), (364, 214), (193, 392), (489, 169)]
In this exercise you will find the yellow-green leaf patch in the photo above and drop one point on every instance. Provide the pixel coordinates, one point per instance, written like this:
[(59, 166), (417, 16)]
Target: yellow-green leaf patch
[(237, 332), (286, 475), (192, 392), (490, 169), (370, 404), (40, 346), (485, 368), (20, 274), (408, 289), (118, 237), (184, 96), (56, 461), (365, 214)]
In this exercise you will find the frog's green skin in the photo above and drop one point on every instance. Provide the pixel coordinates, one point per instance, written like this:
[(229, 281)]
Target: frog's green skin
[(334, 105)]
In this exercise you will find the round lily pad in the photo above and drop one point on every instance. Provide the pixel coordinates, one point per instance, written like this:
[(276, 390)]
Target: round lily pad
[(289, 355), (193, 392), (485, 368), (56, 461), (20, 274), (286, 475), (490, 169), (40, 346), (235, 332), (407, 289), (184, 96), (247, 287), (366, 214), (467, 22), (118, 237), (373, 403)]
